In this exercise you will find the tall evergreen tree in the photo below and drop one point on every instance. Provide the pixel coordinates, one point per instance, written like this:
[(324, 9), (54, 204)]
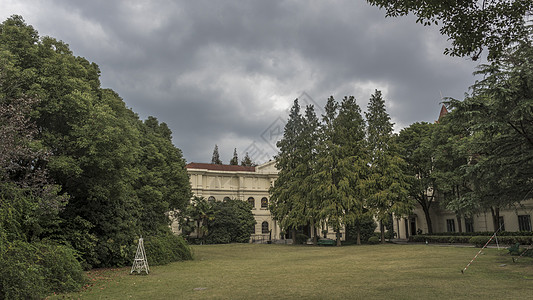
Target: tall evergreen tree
[(216, 157), (235, 160), (247, 161), (386, 186), (341, 164), (284, 199)]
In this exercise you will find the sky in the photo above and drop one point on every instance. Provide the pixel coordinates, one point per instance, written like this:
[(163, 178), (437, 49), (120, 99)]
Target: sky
[(227, 72)]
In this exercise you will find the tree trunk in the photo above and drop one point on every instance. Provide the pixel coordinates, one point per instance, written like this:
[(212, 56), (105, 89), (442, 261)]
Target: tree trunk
[(459, 223), (358, 235), (495, 211), (315, 239), (338, 234), (293, 235), (382, 229), (425, 208)]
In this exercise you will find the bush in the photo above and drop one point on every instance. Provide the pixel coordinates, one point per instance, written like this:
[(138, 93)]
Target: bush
[(479, 241), (300, 239), (373, 240), (164, 249), (35, 270), (367, 227), (232, 222)]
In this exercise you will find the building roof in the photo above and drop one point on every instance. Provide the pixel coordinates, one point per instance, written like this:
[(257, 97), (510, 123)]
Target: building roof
[(443, 112), (214, 167)]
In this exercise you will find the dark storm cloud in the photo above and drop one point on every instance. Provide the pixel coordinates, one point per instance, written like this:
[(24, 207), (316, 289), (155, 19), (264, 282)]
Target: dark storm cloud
[(224, 72)]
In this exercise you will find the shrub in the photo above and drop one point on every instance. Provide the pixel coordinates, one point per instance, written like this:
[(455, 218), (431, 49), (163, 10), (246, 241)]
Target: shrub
[(35, 270), (300, 239), (161, 250), (479, 241), (367, 227), (373, 240), (232, 222)]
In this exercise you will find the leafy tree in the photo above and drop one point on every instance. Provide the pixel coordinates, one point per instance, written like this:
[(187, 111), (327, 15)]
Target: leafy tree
[(471, 25), (235, 160), (499, 144), (97, 153), (216, 157), (449, 159), (416, 150), (232, 222), (387, 186), (247, 161), (201, 212), (163, 184)]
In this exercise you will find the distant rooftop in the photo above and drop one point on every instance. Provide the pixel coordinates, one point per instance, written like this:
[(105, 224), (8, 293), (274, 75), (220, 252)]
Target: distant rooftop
[(214, 167)]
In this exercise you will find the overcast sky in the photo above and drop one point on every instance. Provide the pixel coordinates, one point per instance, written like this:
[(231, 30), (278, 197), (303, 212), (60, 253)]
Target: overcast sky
[(226, 72)]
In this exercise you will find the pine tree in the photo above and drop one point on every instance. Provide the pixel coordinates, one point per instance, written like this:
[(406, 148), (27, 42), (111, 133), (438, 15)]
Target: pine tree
[(247, 161), (341, 164), (386, 186), (284, 194), (235, 160), (216, 157)]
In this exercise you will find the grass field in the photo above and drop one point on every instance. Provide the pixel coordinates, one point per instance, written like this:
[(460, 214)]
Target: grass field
[(250, 271)]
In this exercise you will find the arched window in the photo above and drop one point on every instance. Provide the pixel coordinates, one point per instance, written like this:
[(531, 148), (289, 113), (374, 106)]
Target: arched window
[(264, 202), (227, 199), (251, 201), (264, 227), (211, 199)]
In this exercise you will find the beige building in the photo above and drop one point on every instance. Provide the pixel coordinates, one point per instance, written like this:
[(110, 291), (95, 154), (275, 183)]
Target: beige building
[(219, 182), (251, 184), (517, 218)]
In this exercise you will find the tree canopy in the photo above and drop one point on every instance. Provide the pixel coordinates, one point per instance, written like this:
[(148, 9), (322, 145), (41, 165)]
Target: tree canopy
[(470, 25), (120, 175)]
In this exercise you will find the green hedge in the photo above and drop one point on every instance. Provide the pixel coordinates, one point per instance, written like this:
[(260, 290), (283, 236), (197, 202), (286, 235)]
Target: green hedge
[(483, 233), (161, 250), (475, 240), (35, 270)]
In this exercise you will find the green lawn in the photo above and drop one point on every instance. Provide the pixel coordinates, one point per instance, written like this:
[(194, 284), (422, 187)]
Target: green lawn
[(247, 271)]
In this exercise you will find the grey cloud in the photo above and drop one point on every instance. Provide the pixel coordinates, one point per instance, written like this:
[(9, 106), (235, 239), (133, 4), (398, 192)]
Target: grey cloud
[(222, 72)]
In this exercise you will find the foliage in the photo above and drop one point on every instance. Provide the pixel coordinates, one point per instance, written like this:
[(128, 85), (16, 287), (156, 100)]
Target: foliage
[(496, 147), (166, 248), (104, 160), (387, 186), (365, 227), (373, 240), (470, 25), (415, 146), (300, 239), (478, 239), (35, 270), (216, 157), (342, 164), (232, 222), (235, 159), (247, 161), (286, 203)]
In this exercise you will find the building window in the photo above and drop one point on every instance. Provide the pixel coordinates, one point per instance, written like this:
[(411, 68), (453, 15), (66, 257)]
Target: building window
[(502, 224), (264, 202), (524, 223), (211, 199), (469, 224), (226, 199), (264, 227), (450, 225), (251, 201)]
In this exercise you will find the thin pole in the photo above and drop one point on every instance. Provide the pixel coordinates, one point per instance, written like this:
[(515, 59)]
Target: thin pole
[(493, 236)]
